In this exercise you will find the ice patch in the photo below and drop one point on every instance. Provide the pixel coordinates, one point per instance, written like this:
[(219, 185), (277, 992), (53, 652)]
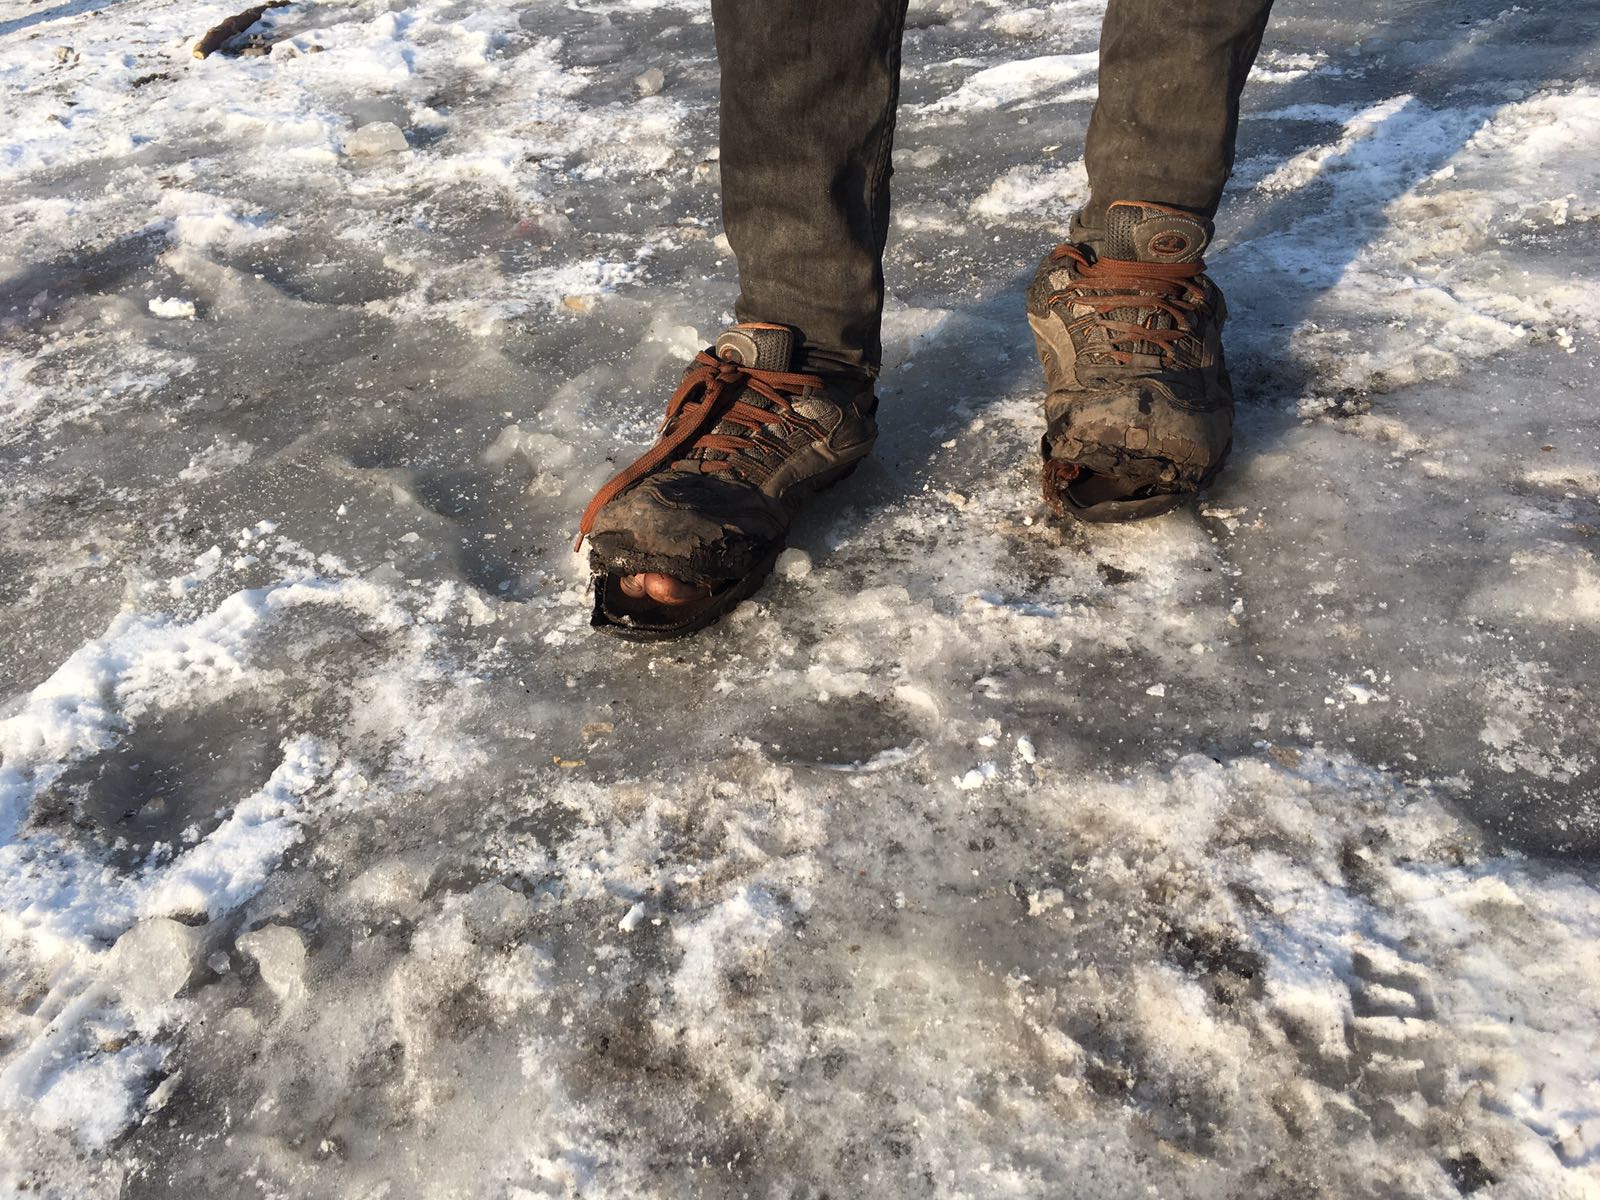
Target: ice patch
[(1048, 195), (1023, 84), (232, 863), (60, 902), (1275, 66)]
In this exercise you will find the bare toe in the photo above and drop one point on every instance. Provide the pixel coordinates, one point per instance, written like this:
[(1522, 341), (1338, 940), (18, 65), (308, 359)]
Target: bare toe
[(662, 589)]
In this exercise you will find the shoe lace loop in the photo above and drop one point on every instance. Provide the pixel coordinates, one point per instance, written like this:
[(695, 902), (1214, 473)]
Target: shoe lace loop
[(1107, 285), (709, 397)]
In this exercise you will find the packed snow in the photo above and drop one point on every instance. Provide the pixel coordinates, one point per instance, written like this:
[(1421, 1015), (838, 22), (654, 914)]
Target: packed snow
[(1249, 852)]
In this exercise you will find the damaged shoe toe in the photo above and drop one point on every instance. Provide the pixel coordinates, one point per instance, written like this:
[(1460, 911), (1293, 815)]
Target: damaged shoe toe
[(1139, 414), (690, 528)]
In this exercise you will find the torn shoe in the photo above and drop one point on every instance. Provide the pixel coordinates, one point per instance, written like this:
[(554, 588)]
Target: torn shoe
[(744, 442), (1139, 414)]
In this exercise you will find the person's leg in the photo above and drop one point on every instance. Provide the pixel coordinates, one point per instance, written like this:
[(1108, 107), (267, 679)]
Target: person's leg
[(1163, 128), (782, 405), (809, 89)]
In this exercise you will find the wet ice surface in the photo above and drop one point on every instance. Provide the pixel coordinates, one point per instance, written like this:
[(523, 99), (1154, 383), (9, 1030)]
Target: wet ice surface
[(1248, 852)]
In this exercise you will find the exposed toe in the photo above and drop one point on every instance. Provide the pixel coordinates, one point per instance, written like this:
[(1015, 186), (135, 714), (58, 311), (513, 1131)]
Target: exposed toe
[(662, 589)]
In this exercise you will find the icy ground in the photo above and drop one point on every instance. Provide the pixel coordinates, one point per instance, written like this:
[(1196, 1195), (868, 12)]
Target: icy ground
[(1251, 852)]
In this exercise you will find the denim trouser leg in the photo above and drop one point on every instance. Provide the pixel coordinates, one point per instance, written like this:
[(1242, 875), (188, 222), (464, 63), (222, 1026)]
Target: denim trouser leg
[(808, 102), (1170, 76), (809, 89)]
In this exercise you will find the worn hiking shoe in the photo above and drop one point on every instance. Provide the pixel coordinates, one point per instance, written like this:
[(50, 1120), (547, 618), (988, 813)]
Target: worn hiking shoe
[(693, 526), (1140, 410)]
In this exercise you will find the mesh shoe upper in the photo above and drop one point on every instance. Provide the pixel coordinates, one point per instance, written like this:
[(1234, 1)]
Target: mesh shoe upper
[(1134, 304)]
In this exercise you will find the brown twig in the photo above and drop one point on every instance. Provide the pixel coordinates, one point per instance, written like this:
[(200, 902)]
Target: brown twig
[(213, 38)]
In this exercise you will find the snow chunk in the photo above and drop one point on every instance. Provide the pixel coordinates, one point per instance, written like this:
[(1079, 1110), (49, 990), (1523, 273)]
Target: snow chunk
[(98, 1098), (378, 138), (172, 309), (154, 960), (280, 955), (1044, 900), (732, 936), (392, 885), (793, 563)]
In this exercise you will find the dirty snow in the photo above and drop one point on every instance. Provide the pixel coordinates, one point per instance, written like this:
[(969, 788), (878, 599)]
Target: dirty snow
[(1246, 853)]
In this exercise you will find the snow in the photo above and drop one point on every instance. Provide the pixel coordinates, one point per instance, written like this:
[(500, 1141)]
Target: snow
[(172, 308), (1247, 852), (1020, 84)]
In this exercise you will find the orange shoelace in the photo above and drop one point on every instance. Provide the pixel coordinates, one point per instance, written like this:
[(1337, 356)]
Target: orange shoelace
[(707, 397), (1156, 287)]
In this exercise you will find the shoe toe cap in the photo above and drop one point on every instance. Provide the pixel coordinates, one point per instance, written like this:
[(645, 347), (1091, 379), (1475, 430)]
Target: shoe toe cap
[(687, 516)]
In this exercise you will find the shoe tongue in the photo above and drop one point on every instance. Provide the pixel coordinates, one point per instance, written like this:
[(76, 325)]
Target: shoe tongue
[(1153, 233), (762, 347)]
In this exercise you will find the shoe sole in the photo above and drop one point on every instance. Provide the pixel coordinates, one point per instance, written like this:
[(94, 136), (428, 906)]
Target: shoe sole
[(1109, 512)]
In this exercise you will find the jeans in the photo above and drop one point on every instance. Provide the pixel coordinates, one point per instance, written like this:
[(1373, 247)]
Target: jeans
[(809, 91)]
